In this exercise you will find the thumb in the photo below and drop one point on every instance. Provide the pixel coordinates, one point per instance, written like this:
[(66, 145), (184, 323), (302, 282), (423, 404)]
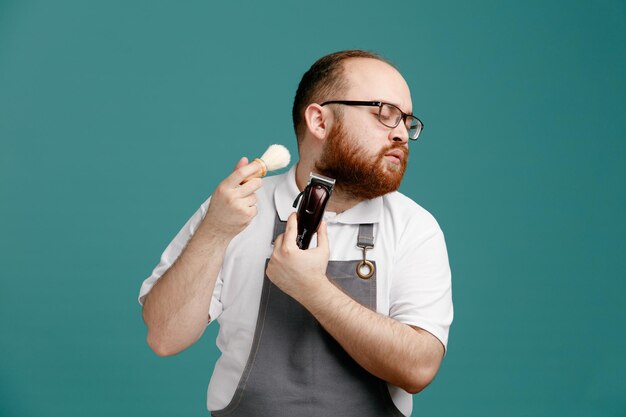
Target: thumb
[(291, 230), (243, 161), (322, 236)]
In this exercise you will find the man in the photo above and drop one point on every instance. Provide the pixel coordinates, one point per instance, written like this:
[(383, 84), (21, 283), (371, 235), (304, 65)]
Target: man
[(315, 336)]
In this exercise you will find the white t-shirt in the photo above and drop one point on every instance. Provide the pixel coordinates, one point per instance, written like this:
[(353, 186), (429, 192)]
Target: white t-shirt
[(413, 282)]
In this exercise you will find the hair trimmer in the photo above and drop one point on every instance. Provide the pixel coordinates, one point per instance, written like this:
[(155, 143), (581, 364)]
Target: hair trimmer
[(312, 205)]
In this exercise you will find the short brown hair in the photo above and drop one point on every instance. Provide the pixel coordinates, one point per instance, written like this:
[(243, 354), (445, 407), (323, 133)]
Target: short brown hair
[(325, 77)]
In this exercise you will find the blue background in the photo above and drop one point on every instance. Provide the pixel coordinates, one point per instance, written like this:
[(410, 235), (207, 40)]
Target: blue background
[(118, 118)]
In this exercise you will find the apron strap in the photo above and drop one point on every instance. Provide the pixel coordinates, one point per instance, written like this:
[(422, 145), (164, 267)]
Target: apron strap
[(365, 269), (366, 236), (279, 227)]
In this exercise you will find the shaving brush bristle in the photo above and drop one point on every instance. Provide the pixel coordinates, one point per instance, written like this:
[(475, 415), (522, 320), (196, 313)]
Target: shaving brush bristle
[(275, 157)]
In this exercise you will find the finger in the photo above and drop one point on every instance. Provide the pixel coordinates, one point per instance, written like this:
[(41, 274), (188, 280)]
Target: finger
[(241, 173), (278, 241), (243, 161), (249, 201), (252, 211), (250, 187), (322, 236), (291, 230)]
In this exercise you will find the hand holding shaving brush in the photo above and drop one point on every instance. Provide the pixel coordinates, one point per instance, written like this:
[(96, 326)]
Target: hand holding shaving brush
[(233, 202), (275, 157)]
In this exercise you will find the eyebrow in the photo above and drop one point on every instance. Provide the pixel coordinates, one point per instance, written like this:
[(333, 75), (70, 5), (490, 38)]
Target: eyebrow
[(389, 102)]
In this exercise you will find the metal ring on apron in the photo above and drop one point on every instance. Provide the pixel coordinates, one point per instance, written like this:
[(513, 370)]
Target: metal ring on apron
[(370, 269), (370, 266)]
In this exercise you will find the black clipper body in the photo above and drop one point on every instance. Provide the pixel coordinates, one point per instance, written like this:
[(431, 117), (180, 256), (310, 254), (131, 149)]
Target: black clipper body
[(312, 205)]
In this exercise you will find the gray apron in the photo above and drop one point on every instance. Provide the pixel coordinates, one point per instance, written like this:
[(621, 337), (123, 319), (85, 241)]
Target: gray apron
[(296, 369)]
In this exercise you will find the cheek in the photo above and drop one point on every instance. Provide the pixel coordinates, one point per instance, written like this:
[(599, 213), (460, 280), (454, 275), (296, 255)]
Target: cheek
[(369, 139)]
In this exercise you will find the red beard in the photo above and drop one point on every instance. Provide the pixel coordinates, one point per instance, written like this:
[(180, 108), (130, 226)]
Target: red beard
[(357, 175)]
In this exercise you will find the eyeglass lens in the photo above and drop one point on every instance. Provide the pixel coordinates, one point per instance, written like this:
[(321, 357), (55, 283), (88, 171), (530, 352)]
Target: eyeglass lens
[(391, 116)]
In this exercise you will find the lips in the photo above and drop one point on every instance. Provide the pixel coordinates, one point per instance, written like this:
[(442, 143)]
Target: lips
[(397, 154)]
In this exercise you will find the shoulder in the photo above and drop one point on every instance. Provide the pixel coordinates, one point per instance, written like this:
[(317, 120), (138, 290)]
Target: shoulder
[(408, 219), (401, 206)]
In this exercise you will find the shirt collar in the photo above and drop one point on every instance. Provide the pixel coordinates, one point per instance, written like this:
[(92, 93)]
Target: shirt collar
[(367, 211)]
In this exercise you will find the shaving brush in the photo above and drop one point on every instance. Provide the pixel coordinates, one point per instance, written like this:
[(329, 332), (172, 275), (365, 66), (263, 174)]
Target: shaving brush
[(275, 157)]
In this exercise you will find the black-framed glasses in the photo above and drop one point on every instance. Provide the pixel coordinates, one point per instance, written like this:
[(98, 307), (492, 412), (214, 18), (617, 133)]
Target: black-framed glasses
[(388, 114)]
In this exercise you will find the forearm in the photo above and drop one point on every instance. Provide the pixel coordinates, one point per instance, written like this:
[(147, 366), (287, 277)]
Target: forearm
[(395, 352), (177, 308)]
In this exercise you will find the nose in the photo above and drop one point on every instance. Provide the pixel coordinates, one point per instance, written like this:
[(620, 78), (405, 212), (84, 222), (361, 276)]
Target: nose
[(399, 133)]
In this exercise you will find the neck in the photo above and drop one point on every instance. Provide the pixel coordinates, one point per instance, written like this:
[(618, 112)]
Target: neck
[(338, 203)]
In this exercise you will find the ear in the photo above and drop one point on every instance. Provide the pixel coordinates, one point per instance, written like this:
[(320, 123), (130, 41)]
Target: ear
[(317, 120)]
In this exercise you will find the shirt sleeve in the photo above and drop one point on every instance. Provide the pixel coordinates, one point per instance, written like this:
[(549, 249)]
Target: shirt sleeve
[(173, 251), (421, 294)]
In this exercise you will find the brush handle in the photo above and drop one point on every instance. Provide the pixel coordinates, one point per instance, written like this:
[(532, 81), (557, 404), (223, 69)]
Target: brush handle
[(260, 173)]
